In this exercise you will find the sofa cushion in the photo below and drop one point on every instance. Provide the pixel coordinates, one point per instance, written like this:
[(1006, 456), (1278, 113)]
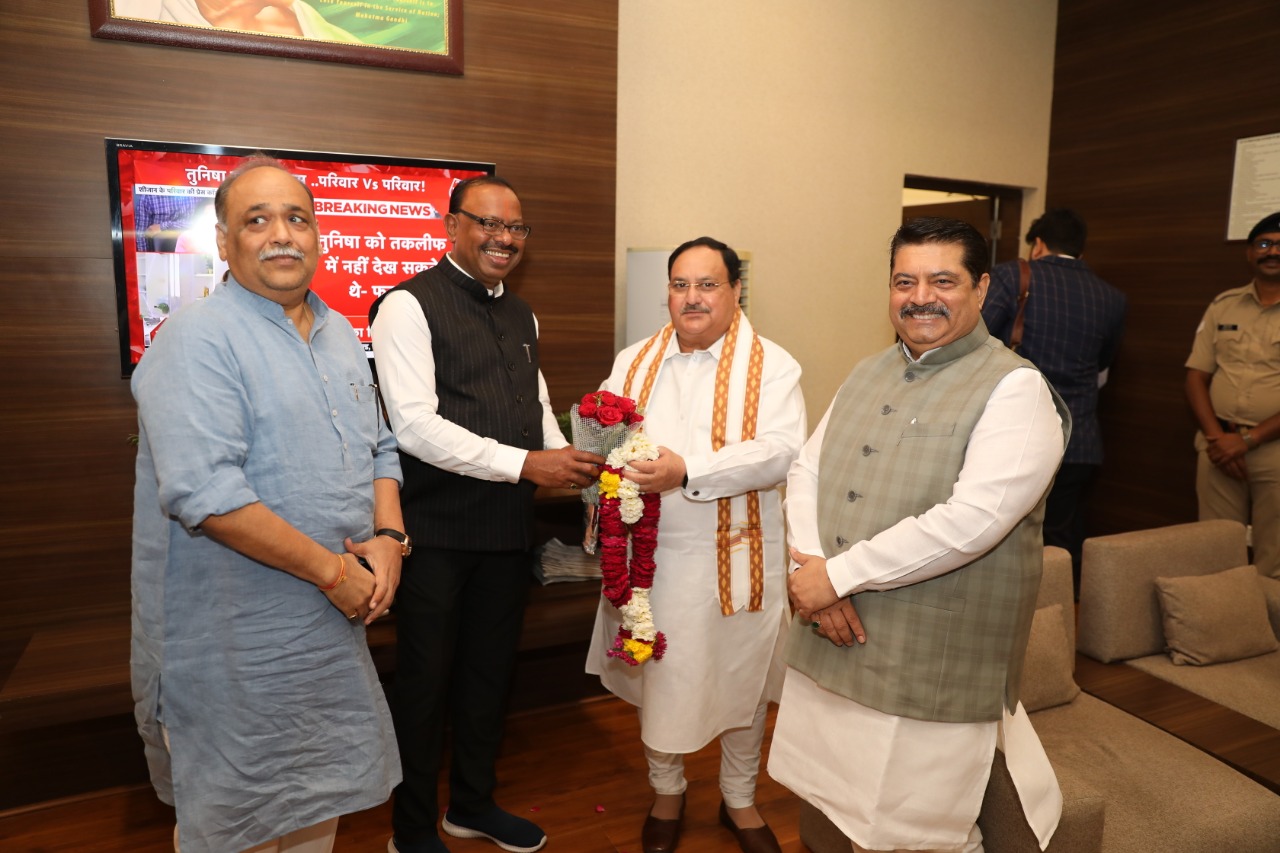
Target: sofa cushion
[(1250, 686), (1162, 795), (1215, 618), (1119, 615), (1057, 587), (1004, 825), (1271, 589), (1046, 675)]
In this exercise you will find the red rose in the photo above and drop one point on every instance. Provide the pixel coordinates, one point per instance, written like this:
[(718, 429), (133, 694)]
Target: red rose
[(589, 398), (634, 418), (609, 415), (608, 398), (627, 405), (586, 409)]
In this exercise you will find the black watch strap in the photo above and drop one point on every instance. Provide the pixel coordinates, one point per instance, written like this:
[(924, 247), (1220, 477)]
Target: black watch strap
[(403, 538)]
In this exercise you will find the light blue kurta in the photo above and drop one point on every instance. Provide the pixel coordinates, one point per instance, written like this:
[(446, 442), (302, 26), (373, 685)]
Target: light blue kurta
[(274, 712)]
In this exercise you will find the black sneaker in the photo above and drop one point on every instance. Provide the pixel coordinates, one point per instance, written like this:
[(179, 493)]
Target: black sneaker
[(511, 833)]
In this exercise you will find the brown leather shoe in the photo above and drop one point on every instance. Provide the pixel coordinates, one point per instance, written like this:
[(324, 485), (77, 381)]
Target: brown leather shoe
[(659, 835), (758, 840)]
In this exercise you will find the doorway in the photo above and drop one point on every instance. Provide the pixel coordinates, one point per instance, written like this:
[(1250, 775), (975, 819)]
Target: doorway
[(996, 211)]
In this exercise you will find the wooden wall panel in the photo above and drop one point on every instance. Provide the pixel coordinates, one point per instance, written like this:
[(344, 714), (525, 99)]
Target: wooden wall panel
[(538, 98), (1149, 99)]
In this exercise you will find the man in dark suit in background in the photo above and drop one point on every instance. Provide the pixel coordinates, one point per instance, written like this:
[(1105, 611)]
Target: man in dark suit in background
[(1071, 331), (458, 366)]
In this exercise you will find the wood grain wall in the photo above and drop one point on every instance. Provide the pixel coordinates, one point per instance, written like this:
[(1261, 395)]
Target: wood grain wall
[(538, 98), (1149, 100)]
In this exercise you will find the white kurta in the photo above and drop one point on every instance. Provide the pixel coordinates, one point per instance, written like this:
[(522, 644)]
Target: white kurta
[(717, 668), (890, 782), (407, 371)]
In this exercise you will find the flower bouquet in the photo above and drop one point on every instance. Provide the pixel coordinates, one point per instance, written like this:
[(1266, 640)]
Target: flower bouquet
[(600, 422), (607, 424)]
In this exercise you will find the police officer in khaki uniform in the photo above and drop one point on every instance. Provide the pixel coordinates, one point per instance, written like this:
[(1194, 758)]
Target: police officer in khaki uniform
[(1233, 385)]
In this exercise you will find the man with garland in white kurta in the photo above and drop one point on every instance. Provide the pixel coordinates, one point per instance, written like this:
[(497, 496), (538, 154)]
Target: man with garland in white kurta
[(918, 503), (725, 408)]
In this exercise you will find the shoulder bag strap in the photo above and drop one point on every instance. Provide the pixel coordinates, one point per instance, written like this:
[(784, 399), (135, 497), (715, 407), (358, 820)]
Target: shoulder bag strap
[(1024, 289)]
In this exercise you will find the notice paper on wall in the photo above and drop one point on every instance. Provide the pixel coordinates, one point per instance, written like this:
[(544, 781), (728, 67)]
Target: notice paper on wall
[(1255, 183)]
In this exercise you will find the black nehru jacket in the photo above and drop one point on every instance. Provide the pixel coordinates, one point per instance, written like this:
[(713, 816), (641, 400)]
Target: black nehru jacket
[(486, 354)]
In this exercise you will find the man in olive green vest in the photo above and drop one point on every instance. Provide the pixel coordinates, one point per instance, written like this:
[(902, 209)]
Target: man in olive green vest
[(915, 515)]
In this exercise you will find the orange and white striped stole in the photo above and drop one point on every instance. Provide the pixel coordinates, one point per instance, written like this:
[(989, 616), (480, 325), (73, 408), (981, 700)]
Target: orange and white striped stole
[(751, 532), (662, 338)]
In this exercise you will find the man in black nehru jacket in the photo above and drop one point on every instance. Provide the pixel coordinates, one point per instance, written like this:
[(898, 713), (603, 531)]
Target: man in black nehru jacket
[(457, 357)]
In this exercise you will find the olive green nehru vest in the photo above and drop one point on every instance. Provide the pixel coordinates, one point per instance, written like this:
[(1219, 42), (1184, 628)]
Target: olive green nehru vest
[(948, 649)]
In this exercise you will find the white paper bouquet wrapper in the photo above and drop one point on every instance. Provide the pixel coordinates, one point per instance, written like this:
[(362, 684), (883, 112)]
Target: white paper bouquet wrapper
[(592, 436)]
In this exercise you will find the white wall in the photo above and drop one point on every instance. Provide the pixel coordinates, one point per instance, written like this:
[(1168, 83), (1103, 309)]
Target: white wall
[(785, 128)]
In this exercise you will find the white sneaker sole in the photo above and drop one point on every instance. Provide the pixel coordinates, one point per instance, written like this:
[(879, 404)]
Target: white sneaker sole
[(463, 832)]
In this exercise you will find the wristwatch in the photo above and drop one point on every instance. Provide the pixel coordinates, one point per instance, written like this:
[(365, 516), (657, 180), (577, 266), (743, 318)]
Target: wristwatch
[(406, 544)]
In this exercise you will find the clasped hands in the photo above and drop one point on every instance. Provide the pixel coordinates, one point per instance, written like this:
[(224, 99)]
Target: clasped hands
[(1227, 452), (816, 600), (368, 594)]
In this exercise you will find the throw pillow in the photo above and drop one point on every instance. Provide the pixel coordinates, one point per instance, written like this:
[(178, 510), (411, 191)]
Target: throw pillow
[(1046, 673), (1271, 589), (1215, 618)]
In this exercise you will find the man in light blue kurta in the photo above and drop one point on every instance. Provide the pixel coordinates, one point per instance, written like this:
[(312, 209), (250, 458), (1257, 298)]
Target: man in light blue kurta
[(264, 469)]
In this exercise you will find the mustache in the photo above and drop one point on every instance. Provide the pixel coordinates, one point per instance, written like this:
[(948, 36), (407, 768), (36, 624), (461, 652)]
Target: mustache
[(281, 252), (932, 308), (509, 247), (695, 309)]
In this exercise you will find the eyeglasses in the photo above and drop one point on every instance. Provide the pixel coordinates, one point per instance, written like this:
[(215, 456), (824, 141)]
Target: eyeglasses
[(681, 286), (494, 227), (1263, 245)]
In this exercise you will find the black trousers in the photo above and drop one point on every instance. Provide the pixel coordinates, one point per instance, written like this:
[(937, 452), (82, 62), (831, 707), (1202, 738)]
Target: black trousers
[(458, 620)]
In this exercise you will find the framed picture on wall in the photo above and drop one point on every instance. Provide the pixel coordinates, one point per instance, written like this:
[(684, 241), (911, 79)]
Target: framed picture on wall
[(420, 35)]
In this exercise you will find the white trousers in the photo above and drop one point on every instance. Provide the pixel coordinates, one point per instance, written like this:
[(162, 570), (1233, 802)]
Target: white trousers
[(739, 764)]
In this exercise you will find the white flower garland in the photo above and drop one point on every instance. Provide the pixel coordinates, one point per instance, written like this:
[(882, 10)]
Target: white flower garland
[(636, 446), (638, 616)]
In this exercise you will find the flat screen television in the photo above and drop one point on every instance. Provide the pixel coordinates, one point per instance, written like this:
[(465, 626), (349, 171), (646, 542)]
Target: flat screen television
[(380, 220)]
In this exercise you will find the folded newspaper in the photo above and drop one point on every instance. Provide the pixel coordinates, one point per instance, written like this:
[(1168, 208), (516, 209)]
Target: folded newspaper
[(560, 562)]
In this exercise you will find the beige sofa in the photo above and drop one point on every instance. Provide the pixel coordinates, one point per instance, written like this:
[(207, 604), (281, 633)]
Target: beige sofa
[(1127, 786), (1213, 618)]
